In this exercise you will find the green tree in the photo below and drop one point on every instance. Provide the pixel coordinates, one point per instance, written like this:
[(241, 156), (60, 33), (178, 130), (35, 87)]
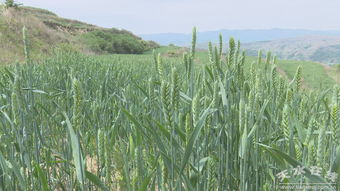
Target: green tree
[(11, 3)]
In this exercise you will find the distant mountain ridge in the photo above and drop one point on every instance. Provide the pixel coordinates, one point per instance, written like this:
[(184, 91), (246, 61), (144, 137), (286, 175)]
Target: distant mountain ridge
[(325, 49), (293, 44), (245, 36)]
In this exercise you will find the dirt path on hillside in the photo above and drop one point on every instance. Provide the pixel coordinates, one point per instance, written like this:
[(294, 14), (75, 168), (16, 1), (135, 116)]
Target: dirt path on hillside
[(284, 74), (331, 72)]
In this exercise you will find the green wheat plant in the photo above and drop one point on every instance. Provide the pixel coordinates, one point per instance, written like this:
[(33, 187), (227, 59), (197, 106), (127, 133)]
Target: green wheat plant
[(213, 120)]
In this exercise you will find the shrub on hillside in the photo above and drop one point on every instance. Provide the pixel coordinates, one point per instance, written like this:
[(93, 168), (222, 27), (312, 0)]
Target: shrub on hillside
[(11, 3), (116, 41)]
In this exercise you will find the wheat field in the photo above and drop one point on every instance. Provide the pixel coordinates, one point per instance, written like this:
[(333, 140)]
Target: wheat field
[(124, 122)]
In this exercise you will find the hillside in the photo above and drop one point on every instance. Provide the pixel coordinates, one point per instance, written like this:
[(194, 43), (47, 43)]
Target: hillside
[(245, 36), (319, 46), (325, 49), (47, 31)]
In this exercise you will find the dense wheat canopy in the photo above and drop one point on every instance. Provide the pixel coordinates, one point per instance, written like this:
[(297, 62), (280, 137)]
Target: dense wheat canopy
[(151, 122)]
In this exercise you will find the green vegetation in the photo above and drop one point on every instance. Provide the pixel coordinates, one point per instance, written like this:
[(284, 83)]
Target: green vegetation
[(314, 75), (334, 72), (153, 122), (337, 67), (116, 41), (11, 3), (48, 32)]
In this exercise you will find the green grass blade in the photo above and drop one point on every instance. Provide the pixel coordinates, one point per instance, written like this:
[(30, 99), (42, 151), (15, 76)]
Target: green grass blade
[(95, 180), (42, 177), (189, 148), (76, 152)]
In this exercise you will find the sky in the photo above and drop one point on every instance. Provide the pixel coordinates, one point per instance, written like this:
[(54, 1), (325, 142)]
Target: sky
[(179, 16)]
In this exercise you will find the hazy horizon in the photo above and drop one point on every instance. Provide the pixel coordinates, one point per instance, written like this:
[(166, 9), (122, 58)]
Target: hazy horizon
[(155, 16), (239, 29)]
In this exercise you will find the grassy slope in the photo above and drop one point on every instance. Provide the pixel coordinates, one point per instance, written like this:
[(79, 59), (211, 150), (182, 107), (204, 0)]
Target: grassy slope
[(323, 49), (334, 72), (11, 46), (46, 30), (315, 75)]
